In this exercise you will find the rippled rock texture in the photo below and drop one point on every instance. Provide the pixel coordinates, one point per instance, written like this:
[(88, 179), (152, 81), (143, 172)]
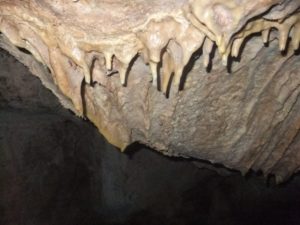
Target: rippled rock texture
[(214, 80)]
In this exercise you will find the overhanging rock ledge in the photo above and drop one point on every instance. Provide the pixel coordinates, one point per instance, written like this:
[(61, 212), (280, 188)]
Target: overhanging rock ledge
[(209, 79)]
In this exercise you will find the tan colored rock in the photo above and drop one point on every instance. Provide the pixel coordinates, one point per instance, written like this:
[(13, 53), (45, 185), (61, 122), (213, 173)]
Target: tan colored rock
[(103, 54)]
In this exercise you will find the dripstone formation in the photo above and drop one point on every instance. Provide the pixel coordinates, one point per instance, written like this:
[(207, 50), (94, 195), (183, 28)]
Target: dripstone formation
[(209, 79)]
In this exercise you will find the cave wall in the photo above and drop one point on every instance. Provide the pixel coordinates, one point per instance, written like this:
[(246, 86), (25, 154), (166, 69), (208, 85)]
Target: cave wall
[(213, 80), (57, 169)]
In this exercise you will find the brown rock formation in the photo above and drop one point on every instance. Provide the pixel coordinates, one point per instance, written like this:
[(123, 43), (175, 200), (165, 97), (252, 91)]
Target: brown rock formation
[(99, 54)]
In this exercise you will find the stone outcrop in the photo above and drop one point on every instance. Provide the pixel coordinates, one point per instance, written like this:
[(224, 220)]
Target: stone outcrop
[(188, 78), (69, 175)]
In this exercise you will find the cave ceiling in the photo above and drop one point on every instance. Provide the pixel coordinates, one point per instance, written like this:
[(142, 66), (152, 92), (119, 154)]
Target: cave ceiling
[(216, 80)]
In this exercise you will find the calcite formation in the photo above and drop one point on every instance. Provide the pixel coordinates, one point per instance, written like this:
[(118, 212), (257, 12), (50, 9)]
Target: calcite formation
[(143, 71)]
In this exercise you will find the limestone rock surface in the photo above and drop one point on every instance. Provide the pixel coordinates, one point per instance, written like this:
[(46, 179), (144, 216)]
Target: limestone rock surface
[(214, 80)]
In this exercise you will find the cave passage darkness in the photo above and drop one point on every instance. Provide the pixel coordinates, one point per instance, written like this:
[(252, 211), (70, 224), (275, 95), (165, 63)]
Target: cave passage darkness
[(56, 169)]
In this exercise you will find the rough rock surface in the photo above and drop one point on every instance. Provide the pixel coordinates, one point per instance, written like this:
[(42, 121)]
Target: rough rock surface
[(96, 56), (55, 169)]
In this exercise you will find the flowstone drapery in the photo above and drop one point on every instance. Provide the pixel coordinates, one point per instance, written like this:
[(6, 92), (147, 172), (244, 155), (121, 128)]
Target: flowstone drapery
[(215, 80)]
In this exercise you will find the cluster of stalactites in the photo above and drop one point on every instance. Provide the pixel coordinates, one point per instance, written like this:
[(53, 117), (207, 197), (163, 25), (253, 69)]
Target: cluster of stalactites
[(172, 43), (166, 43), (229, 24)]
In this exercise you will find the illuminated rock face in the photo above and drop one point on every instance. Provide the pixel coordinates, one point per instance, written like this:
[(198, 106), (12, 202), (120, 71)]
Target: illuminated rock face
[(188, 78)]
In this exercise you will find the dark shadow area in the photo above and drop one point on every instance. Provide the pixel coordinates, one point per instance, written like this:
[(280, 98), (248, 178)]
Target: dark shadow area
[(195, 56), (231, 59), (24, 50), (129, 68), (56, 169)]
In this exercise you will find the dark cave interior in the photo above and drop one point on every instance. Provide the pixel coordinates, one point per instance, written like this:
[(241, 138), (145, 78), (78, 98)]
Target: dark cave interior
[(56, 169)]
